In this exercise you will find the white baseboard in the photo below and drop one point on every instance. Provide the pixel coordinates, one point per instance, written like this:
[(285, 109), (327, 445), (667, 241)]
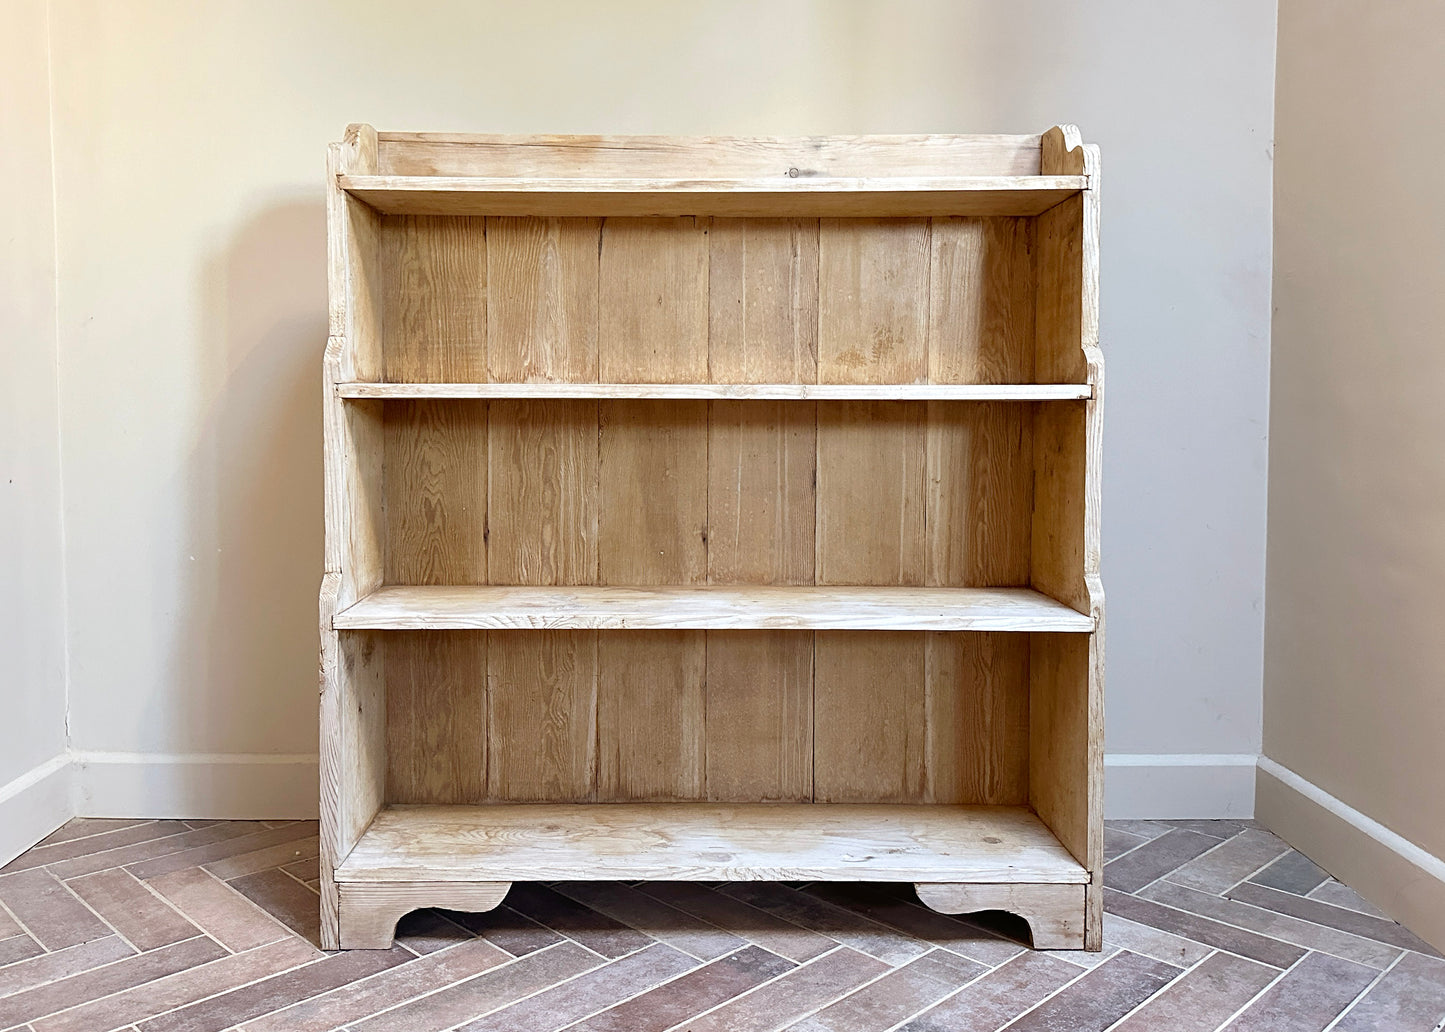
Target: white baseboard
[(1390, 871), (234, 786), (34, 804), (1179, 785)]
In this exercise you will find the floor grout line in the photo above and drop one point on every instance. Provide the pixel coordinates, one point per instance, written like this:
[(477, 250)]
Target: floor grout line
[(1361, 995)]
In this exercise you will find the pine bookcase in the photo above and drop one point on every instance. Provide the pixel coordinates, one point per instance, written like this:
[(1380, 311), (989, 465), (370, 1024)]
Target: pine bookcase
[(712, 509)]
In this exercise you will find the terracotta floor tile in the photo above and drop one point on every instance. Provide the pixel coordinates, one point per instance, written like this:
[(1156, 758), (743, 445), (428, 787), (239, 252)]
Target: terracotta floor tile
[(1292, 872), (1153, 860), (49, 967), (285, 899), (587, 993), (1307, 998), (1147, 830), (84, 827), (379, 992), (1100, 998), (1117, 841), (1276, 925), (772, 933), (102, 981), (49, 911), (16, 948), (148, 850), (278, 855), (1231, 863), (788, 997), (902, 993), (226, 915), (307, 870), (504, 927), (963, 937), (485, 993), (68, 849), (991, 1001), (1151, 942), (1341, 895), (1225, 937), (180, 989), (278, 991), (597, 932), (1220, 829), (1203, 998), (212, 851), (1410, 997), (649, 914), (1380, 929), (814, 914), (690, 994), (132, 909)]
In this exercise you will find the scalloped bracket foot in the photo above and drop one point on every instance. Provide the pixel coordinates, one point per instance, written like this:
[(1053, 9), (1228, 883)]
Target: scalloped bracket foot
[(370, 910), (1055, 913)]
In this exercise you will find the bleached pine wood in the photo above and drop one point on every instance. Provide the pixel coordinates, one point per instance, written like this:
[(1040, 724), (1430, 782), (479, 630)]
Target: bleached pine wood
[(369, 912), (708, 841), (728, 391), (561, 440), (893, 196), (1055, 913), (480, 607)]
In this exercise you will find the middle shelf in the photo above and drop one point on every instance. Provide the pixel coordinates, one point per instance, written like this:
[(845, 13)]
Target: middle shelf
[(725, 391), (804, 607)]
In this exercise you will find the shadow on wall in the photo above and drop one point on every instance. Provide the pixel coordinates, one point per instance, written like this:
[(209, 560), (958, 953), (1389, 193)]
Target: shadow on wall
[(251, 649)]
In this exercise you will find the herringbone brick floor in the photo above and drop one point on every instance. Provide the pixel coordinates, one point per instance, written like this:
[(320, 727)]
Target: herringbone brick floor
[(194, 926)]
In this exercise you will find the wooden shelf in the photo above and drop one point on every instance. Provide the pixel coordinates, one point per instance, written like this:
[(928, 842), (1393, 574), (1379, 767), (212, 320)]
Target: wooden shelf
[(710, 841), (485, 607), (804, 196), (728, 391)]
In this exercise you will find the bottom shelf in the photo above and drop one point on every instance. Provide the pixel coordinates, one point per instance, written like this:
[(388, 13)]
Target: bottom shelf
[(710, 841)]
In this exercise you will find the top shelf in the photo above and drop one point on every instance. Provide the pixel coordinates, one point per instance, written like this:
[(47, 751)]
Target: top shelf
[(725, 391), (762, 197)]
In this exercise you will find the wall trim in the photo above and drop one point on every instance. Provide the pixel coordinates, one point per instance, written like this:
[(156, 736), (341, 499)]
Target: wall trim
[(1400, 877), (1165, 786), (232, 786), (35, 804)]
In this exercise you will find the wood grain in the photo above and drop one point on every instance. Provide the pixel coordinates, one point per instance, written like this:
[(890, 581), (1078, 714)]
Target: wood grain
[(542, 715), (1055, 913), (743, 607), (652, 319), (763, 301), (542, 521), (436, 492), (873, 300), (726, 391), (651, 714), (981, 301), (652, 493), (436, 717), (435, 315), (976, 714), (869, 738), (759, 716), (708, 841), (542, 299)]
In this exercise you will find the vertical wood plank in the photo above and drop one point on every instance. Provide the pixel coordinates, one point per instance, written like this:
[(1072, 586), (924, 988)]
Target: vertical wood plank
[(981, 301), (542, 494), (870, 493), (542, 299), (759, 716), (652, 308), (652, 493), (873, 300), (436, 492), (1059, 550), (651, 715), (979, 493), (435, 316), (868, 726), (761, 492), (436, 721), (763, 301), (542, 715), (977, 715)]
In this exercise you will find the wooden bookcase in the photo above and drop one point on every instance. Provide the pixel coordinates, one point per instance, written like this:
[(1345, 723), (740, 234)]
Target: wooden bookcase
[(712, 509)]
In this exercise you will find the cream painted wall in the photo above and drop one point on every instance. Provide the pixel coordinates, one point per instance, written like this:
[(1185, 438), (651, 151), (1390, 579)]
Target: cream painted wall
[(1354, 691), (32, 615), (189, 148)]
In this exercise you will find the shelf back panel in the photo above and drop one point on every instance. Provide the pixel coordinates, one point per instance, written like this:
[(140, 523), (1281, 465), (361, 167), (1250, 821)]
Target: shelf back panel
[(727, 716)]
